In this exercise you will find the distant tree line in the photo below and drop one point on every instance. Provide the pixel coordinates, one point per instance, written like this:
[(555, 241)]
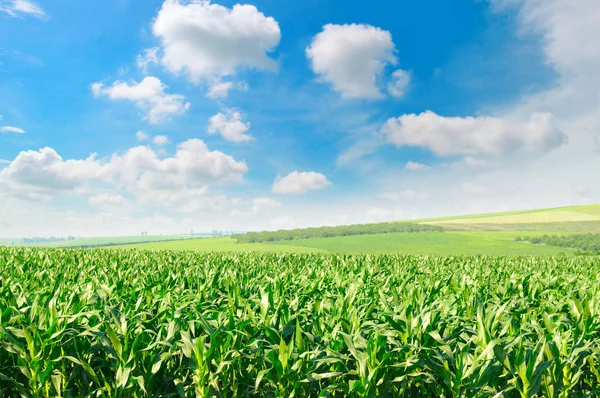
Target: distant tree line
[(327, 232), (588, 243), (31, 241)]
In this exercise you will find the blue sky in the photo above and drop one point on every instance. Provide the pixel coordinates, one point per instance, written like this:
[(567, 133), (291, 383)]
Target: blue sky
[(275, 114)]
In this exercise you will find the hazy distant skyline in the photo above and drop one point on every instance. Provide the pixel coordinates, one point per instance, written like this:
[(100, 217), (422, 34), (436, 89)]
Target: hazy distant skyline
[(124, 116)]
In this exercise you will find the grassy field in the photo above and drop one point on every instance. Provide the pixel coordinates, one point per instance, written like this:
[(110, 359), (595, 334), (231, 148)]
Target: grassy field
[(431, 243), (128, 323), (434, 243), (224, 244), (560, 214)]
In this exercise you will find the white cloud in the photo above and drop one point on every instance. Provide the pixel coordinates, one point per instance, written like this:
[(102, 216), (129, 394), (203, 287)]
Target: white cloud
[(148, 95), (300, 182), (141, 136), (10, 129), (262, 206), (409, 194), (180, 179), (46, 170), (352, 58), (193, 164), (220, 89), (560, 24), (106, 199), (414, 166), (16, 8), (230, 126), (378, 214), (474, 135), (148, 57), (4, 161), (208, 41), (399, 84), (597, 143), (160, 140)]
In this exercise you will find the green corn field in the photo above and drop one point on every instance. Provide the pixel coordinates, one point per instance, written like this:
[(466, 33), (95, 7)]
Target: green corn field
[(127, 323)]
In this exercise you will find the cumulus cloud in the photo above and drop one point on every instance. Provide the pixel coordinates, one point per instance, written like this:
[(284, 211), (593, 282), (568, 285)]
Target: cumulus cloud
[(43, 172), (17, 8), (208, 41), (414, 166), (300, 182), (10, 129), (474, 135), (399, 84), (160, 140), (106, 199), (180, 179), (148, 95), (192, 164), (230, 126), (409, 194), (352, 58)]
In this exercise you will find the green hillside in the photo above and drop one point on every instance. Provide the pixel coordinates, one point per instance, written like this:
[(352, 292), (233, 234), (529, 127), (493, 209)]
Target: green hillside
[(480, 234)]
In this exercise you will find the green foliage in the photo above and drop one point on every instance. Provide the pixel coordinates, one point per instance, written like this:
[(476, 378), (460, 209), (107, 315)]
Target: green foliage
[(327, 232), (127, 323), (585, 243)]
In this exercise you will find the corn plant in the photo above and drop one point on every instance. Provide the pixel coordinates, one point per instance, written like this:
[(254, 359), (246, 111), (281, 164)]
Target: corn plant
[(127, 323)]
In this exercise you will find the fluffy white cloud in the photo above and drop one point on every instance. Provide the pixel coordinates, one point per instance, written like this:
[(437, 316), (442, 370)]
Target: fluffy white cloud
[(148, 57), (300, 182), (106, 199), (141, 136), (230, 126), (474, 135), (38, 175), (16, 8), (220, 89), (10, 129), (193, 164), (180, 179), (262, 206), (409, 194), (352, 58), (399, 84), (149, 95), (207, 41), (414, 166), (160, 140)]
